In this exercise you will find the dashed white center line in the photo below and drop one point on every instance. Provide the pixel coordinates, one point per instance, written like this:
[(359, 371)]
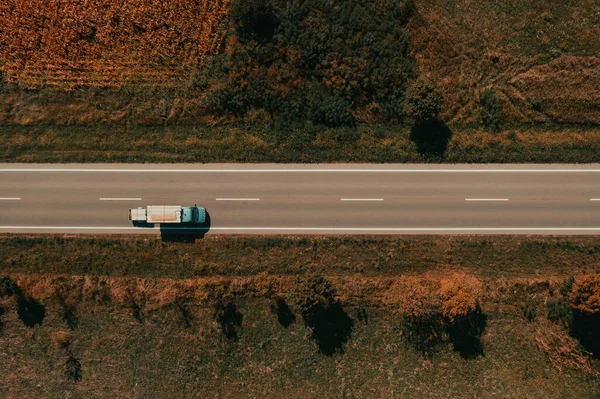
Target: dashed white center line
[(361, 199), (10, 199), (237, 199), (486, 199), (594, 199), (120, 199)]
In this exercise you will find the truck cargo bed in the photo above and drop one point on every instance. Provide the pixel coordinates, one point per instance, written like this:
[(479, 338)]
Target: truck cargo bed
[(163, 214)]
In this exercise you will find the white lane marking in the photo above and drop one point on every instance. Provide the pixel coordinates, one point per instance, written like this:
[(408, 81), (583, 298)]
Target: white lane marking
[(10, 199), (361, 199), (486, 199), (104, 170), (338, 229), (237, 199), (594, 199), (120, 199)]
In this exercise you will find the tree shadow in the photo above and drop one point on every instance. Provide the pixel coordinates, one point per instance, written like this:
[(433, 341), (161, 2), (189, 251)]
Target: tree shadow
[(361, 314), (186, 233), (585, 328), (2, 311), (229, 319), (331, 328), (423, 332), (70, 317), (185, 314), (431, 137), (465, 334), (73, 368), (285, 316), (30, 311)]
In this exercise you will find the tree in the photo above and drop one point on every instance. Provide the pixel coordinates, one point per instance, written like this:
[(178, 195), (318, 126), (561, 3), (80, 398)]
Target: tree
[(418, 302), (585, 295), (461, 309), (314, 294), (461, 295), (585, 301), (423, 101), (330, 325)]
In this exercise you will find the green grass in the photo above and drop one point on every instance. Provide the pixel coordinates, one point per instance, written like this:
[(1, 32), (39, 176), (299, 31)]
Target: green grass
[(260, 143)]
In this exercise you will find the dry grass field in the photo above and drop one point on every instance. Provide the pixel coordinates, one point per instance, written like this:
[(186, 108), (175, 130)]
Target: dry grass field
[(135, 317), (520, 83), (540, 57)]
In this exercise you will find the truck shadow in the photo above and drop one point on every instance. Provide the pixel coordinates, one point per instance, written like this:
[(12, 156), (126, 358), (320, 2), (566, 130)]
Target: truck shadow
[(185, 232)]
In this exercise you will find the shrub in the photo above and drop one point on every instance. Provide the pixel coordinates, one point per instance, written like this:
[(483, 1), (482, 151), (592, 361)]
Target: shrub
[(419, 304), (464, 319), (530, 311), (73, 368), (567, 286), (559, 311), (330, 325), (229, 319), (585, 295), (423, 101), (8, 287), (585, 302), (313, 294), (490, 110), (314, 60), (461, 295)]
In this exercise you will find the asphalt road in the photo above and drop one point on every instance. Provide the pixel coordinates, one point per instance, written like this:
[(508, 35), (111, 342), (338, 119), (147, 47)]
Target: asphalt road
[(307, 199)]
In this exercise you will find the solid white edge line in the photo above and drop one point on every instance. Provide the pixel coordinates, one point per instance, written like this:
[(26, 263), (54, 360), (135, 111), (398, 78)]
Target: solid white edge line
[(361, 199), (237, 199), (399, 229), (486, 199), (120, 199), (10, 199), (305, 170)]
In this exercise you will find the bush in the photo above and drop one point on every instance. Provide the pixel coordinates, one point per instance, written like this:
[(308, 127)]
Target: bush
[(530, 311), (461, 296), (490, 110), (73, 368), (330, 325), (464, 319), (314, 60), (585, 302), (423, 101), (559, 311), (313, 294), (585, 294), (229, 319), (8, 287)]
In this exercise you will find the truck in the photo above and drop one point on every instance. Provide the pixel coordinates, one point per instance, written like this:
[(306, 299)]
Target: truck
[(168, 214)]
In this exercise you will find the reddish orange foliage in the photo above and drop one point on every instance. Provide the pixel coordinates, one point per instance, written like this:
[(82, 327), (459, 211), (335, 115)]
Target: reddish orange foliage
[(461, 294), (104, 42), (586, 293)]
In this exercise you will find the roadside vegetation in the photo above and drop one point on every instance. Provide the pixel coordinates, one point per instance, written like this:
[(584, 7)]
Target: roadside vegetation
[(324, 316), (307, 81)]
